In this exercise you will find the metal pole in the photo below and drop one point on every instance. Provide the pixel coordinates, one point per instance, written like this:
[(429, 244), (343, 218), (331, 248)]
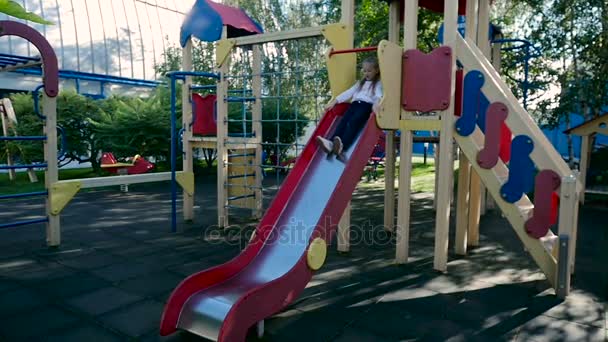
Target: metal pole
[(173, 160)]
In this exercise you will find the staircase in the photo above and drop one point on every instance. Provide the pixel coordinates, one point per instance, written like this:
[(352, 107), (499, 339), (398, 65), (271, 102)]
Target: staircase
[(514, 158)]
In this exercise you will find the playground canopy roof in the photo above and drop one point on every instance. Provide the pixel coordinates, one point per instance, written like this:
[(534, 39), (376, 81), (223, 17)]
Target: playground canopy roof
[(595, 125), (206, 19)]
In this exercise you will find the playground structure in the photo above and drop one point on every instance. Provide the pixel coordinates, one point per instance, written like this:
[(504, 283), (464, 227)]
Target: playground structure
[(501, 148), (58, 193), (206, 124), (587, 130)]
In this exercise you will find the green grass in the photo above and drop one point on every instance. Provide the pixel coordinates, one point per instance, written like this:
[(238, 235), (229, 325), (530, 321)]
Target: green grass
[(22, 184)]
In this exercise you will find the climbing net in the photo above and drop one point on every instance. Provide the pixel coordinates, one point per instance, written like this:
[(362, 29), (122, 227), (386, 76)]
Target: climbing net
[(294, 90)]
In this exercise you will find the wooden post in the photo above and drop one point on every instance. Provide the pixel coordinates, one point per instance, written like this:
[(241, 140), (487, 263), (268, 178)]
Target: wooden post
[(462, 205), (568, 217), (256, 115), (446, 156), (348, 18), (222, 133), (477, 196), (584, 164), (188, 162), (464, 168), (5, 125), (49, 108), (389, 174), (410, 41)]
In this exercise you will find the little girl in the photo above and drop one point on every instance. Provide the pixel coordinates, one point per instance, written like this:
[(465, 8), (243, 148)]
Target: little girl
[(364, 96)]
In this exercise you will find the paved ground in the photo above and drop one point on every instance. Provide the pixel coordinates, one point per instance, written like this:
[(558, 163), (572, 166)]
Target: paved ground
[(118, 263)]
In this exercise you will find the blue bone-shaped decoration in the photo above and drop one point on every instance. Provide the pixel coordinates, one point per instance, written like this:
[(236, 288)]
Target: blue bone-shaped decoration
[(521, 170), (474, 104)]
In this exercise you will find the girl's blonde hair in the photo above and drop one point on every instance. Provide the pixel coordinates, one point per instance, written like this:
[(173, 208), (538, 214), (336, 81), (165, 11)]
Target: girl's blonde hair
[(374, 63)]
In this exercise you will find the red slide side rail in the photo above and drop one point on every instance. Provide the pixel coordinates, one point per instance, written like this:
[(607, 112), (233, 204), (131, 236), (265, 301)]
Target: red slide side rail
[(268, 299), (204, 279)]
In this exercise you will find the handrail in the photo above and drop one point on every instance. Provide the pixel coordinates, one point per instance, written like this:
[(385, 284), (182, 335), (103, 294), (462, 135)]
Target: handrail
[(355, 50), (519, 121)]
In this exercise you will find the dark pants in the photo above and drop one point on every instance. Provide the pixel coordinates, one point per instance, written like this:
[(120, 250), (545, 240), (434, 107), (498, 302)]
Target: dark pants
[(352, 122)]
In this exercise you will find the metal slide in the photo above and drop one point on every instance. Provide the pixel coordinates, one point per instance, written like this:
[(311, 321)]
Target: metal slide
[(223, 302)]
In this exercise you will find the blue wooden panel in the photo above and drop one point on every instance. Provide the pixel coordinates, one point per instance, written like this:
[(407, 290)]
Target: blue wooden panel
[(473, 81), (521, 170)]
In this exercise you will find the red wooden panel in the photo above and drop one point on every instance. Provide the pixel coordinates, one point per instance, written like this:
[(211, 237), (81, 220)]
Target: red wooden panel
[(203, 108), (426, 79), (544, 213)]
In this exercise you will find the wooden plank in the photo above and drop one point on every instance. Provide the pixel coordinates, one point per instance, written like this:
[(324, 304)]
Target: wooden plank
[(462, 205), (49, 110), (464, 169), (256, 125), (278, 36), (474, 208), (344, 231), (568, 219), (348, 18), (410, 41), (584, 164), (188, 161), (404, 199), (12, 175), (98, 182), (515, 214), (446, 156), (390, 158), (222, 132), (390, 59), (420, 125), (519, 121)]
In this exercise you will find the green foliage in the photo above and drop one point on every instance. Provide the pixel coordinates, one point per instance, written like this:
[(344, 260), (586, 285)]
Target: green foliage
[(73, 112), (573, 36), (129, 126), (13, 9)]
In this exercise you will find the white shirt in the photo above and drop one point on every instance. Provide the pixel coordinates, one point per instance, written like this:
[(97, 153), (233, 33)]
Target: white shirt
[(366, 94)]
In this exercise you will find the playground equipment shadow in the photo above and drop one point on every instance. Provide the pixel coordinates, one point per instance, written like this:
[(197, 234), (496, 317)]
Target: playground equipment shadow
[(118, 263)]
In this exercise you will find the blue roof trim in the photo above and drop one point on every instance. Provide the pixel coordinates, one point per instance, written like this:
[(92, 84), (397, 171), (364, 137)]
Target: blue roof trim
[(203, 22)]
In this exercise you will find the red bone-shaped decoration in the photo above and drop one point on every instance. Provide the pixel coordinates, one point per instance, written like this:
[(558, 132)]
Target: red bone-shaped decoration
[(544, 212), (495, 118)]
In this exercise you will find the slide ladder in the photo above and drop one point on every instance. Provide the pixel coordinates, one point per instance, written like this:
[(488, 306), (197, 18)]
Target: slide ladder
[(514, 159)]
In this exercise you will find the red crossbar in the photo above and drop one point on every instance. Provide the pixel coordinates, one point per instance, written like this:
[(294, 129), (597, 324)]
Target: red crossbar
[(363, 49)]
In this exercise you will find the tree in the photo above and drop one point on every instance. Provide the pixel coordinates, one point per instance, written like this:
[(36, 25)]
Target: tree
[(74, 112), (13, 9), (574, 37)]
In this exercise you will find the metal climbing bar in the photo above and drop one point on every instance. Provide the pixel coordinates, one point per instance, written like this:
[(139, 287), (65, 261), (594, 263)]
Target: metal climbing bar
[(241, 176), (23, 166), (234, 198), (25, 194), (180, 75), (356, 50), (23, 223), (25, 137), (240, 99)]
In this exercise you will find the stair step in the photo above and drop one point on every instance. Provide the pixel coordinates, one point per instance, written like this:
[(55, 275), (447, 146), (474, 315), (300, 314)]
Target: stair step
[(550, 242)]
